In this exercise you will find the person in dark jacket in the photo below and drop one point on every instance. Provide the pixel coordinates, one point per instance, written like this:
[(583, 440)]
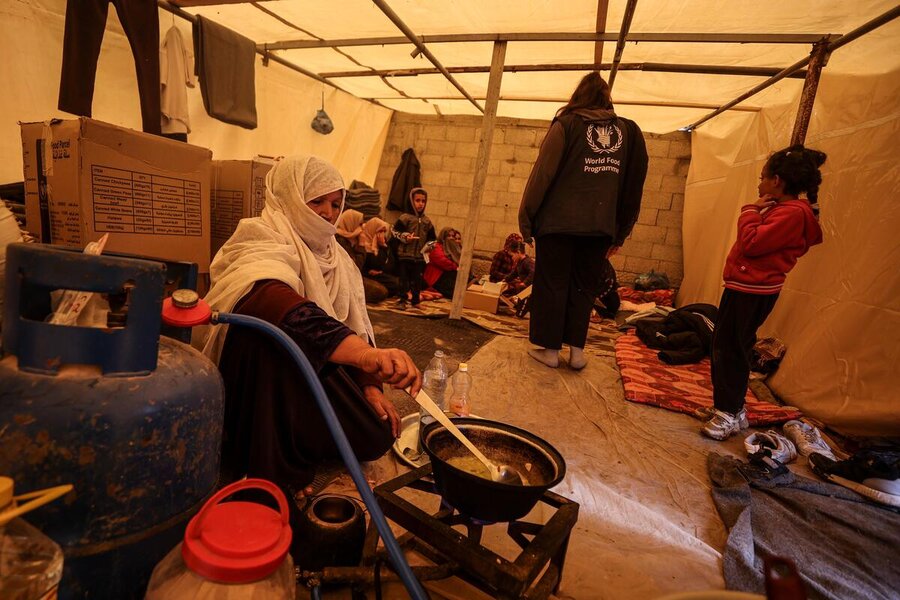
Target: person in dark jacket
[(407, 177), (413, 230), (581, 202), (772, 233)]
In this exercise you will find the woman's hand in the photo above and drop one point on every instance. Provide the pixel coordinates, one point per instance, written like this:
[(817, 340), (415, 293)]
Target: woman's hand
[(383, 407), (765, 201), (393, 366)]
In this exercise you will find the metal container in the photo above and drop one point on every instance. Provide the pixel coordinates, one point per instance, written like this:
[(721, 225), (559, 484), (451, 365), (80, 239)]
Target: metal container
[(540, 465), (329, 532), (133, 421)]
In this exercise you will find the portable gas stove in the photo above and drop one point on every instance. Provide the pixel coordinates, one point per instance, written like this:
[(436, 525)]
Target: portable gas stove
[(534, 574)]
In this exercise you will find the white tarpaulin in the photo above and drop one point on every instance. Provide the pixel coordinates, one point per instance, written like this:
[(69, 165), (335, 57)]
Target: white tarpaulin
[(839, 313)]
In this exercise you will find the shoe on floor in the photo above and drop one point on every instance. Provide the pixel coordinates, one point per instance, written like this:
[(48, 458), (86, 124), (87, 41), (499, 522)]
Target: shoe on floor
[(807, 439), (884, 491), (707, 412), (771, 444), (722, 425)]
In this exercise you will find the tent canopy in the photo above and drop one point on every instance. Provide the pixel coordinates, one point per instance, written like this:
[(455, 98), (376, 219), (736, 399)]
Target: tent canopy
[(665, 40)]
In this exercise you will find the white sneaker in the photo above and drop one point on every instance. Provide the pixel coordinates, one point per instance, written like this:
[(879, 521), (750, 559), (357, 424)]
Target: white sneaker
[(807, 439), (722, 425), (707, 412), (772, 444)]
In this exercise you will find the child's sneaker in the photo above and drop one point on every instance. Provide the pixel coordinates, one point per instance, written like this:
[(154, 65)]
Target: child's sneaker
[(401, 304), (807, 439), (722, 425), (706, 413), (771, 444)]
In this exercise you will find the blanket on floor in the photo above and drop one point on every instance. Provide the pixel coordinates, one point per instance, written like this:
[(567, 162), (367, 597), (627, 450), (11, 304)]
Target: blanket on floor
[(682, 388)]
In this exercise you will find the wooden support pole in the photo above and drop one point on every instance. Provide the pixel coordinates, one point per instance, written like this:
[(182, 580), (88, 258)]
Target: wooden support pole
[(396, 20), (808, 96), (620, 44), (442, 38), (481, 166), (602, 11)]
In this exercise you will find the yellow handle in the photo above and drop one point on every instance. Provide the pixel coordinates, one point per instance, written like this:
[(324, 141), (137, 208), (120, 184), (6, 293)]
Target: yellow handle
[(37, 499)]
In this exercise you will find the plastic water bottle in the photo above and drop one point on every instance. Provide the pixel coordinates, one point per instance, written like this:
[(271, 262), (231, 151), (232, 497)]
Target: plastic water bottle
[(30, 562), (434, 382), (461, 384)]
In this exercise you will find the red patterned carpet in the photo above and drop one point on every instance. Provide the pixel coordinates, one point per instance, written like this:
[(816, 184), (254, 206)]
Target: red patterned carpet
[(683, 388)]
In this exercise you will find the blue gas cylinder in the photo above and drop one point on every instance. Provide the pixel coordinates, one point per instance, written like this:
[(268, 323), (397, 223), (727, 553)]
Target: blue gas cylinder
[(132, 420)]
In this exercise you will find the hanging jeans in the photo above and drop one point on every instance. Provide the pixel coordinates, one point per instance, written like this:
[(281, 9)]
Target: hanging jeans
[(85, 24)]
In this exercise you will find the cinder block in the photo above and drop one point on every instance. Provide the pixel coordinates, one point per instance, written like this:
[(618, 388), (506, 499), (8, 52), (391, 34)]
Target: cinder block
[(657, 148), (428, 162), (668, 218), (673, 183), (678, 202), (648, 233), (635, 248), (461, 179), (494, 167), (502, 151), (647, 216), (460, 134), (618, 261), (675, 271), (637, 264), (458, 163), (519, 136), (496, 183), (655, 199), (467, 149), (680, 150), (673, 236), (653, 182), (436, 207), (434, 132), (684, 167), (458, 209), (433, 178), (526, 154), (484, 229), (665, 252), (517, 184), (494, 214), (440, 147)]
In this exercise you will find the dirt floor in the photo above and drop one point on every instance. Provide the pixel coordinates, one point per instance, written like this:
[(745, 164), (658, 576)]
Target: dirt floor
[(647, 525)]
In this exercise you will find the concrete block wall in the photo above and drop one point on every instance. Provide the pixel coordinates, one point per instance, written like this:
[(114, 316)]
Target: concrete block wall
[(446, 147)]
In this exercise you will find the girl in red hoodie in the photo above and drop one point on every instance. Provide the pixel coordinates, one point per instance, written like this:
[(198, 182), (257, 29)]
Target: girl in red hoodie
[(772, 234)]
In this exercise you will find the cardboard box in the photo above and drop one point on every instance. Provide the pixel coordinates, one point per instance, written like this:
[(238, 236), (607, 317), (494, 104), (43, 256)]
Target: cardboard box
[(84, 178), (238, 192), (476, 298)]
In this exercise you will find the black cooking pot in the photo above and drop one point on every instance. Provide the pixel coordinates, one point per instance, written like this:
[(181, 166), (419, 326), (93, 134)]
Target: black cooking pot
[(540, 465)]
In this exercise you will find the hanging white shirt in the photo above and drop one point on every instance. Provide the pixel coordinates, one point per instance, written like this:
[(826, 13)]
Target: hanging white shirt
[(176, 74)]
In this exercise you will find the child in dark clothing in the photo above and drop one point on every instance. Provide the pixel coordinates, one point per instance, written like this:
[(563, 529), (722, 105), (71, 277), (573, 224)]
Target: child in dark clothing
[(413, 231), (773, 233)]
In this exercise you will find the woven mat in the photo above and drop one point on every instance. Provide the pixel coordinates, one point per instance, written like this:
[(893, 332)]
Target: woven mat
[(682, 388)]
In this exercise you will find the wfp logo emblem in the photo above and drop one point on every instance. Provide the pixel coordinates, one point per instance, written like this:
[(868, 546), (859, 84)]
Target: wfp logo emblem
[(604, 139)]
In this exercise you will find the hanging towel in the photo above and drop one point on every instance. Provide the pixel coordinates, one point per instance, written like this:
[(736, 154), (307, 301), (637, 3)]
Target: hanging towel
[(406, 177), (225, 66), (175, 76)]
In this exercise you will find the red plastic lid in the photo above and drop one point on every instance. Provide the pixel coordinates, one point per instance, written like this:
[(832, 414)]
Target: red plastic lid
[(185, 316), (238, 542)]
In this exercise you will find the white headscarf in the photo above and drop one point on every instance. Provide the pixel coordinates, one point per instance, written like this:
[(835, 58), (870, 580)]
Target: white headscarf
[(290, 243)]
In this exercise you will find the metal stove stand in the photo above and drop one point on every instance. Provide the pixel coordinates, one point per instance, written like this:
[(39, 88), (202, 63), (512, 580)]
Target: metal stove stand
[(533, 575)]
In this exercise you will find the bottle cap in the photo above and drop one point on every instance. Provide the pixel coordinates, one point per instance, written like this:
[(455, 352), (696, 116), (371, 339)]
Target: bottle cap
[(463, 367), (237, 541), (439, 353)]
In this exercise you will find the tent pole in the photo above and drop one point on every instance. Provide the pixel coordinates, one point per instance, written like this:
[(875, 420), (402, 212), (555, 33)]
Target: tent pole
[(395, 18), (808, 96), (602, 11), (441, 38), (863, 29), (644, 66), (481, 166), (620, 44)]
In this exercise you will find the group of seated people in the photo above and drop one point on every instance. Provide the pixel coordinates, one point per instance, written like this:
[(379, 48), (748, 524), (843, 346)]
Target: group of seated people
[(410, 262)]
